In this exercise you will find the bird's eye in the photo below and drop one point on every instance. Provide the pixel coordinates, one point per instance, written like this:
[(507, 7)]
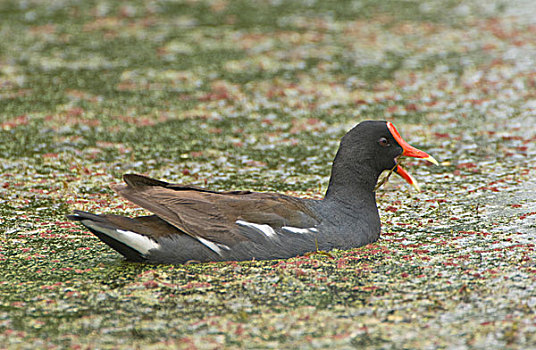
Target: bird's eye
[(384, 142)]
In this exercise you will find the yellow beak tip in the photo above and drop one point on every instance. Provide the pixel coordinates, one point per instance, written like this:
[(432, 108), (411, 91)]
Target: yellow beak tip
[(432, 160)]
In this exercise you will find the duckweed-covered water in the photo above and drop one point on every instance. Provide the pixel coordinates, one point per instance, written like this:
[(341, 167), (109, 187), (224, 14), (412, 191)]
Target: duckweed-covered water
[(255, 95)]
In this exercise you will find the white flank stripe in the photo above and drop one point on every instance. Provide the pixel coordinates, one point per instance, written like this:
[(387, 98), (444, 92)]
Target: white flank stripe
[(134, 240), (216, 248), (267, 230), (299, 230)]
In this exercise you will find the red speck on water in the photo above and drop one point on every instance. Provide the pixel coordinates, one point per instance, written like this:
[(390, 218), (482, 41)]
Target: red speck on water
[(412, 107), (300, 272), (50, 155), (391, 209), (150, 284), (367, 288), (524, 216), (20, 120), (467, 165)]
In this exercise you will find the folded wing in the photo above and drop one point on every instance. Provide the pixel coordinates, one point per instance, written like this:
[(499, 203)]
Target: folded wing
[(214, 216)]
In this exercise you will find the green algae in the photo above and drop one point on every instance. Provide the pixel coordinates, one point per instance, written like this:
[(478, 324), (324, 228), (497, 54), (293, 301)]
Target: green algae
[(256, 95)]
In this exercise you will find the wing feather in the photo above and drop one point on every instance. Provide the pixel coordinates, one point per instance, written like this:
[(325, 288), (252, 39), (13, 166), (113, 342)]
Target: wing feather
[(212, 215)]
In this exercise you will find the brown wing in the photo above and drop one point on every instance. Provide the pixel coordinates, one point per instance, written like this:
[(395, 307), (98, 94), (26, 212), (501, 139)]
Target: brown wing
[(213, 215)]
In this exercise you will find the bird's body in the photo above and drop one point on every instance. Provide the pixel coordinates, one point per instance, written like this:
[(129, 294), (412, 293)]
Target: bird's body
[(195, 224)]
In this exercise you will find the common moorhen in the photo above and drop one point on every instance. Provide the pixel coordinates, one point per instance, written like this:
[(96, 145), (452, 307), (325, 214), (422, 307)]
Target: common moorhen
[(196, 224)]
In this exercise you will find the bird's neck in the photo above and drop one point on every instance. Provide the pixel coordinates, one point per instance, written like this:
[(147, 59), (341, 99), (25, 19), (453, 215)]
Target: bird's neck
[(353, 184)]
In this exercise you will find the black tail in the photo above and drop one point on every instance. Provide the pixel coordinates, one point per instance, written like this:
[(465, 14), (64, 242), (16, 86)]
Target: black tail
[(124, 242)]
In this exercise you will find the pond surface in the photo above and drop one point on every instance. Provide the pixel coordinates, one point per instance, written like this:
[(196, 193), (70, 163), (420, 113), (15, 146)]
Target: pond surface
[(256, 95)]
